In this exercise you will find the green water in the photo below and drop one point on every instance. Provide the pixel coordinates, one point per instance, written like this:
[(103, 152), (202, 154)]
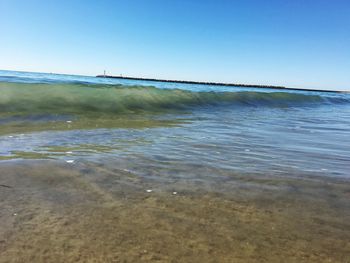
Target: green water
[(119, 171)]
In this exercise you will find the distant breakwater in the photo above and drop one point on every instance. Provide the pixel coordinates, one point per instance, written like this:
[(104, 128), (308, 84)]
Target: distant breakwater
[(215, 83)]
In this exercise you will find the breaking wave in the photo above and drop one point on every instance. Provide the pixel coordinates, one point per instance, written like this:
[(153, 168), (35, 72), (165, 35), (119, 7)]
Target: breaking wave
[(79, 98)]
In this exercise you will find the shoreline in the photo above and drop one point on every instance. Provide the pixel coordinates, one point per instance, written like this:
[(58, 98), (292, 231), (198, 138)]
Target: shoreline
[(55, 212), (219, 84)]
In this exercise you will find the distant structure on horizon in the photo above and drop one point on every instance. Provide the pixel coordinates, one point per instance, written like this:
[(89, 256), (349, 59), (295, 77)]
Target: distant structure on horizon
[(215, 83)]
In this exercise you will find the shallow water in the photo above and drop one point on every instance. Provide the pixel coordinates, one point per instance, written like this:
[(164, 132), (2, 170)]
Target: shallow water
[(258, 174)]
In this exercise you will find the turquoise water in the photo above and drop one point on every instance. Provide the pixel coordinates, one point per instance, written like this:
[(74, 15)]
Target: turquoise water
[(169, 130)]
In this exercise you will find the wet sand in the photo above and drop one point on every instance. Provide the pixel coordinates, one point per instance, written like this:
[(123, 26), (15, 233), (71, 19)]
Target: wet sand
[(52, 211)]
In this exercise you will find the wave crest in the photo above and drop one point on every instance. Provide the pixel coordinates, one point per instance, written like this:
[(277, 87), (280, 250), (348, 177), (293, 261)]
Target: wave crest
[(84, 98)]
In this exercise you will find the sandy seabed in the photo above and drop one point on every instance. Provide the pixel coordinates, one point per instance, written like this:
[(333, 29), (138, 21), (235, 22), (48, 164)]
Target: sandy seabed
[(58, 212)]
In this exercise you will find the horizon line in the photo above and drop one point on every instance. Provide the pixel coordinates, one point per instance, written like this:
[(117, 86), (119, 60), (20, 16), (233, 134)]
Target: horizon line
[(187, 81), (218, 83)]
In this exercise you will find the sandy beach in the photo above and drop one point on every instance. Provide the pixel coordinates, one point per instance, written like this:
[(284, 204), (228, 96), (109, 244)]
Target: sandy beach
[(57, 212)]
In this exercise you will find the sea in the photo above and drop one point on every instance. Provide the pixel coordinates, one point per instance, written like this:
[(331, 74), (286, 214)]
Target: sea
[(193, 165)]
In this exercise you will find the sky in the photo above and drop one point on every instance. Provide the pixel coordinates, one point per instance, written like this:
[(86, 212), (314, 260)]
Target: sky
[(294, 43)]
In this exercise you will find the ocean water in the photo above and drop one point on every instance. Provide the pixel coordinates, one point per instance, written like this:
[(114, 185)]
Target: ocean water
[(277, 150), (164, 125)]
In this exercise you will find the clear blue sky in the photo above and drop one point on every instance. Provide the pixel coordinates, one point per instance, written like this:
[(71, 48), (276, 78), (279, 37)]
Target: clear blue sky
[(297, 43)]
